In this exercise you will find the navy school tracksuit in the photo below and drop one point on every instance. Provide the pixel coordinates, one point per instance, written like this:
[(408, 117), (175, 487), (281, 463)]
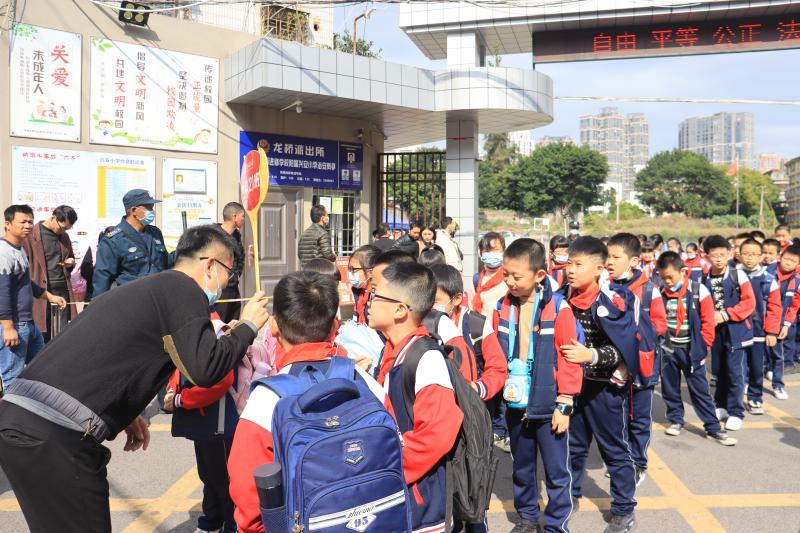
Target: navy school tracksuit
[(640, 425), (530, 429), (782, 354), (766, 321), (602, 408), (685, 349), (732, 336)]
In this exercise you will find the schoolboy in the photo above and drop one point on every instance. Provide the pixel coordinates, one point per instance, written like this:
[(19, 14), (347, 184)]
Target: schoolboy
[(488, 284), (695, 262), (737, 243), (559, 256), (690, 319), (782, 355), (772, 253), (611, 356), (304, 321), (533, 325), (403, 296), (783, 234), (734, 303), (622, 265), (491, 369)]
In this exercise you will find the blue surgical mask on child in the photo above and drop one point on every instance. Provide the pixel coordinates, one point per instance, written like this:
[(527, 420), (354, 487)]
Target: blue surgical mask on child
[(690, 256), (355, 281), (561, 259), (677, 287), (492, 259), (623, 276), (148, 218), (212, 296)]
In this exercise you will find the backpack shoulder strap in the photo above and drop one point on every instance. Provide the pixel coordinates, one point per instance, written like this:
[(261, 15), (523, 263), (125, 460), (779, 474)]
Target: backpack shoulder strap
[(647, 296), (475, 323), (283, 385), (475, 280), (409, 371), (341, 367), (735, 279)]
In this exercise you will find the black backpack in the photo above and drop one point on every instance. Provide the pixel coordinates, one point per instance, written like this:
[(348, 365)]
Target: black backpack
[(471, 464)]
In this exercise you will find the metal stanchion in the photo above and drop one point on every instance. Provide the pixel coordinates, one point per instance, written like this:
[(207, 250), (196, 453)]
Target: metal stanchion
[(55, 320)]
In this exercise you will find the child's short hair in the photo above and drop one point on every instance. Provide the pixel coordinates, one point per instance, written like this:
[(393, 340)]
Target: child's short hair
[(305, 305), (648, 246), (432, 256), (784, 227), (690, 247), (529, 249), (558, 241), (604, 239), (771, 242), (712, 242), (751, 242), (366, 255), (758, 234), (320, 265), (792, 249), (642, 238), (448, 280), (488, 238), (591, 246), (415, 282), (628, 242), (670, 260), (743, 235), (392, 257), (658, 240)]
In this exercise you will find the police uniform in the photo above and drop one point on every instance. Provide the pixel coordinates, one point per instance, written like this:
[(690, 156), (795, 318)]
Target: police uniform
[(125, 255)]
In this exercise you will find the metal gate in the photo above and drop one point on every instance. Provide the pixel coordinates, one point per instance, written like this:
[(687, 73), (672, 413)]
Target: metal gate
[(411, 186)]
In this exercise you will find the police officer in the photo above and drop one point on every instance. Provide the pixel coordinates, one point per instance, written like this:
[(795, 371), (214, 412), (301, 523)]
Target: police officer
[(134, 248)]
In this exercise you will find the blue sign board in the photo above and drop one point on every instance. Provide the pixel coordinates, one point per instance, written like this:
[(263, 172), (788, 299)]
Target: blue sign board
[(304, 162)]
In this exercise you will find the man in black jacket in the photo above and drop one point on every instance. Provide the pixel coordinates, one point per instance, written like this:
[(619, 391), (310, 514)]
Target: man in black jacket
[(92, 381), (316, 241)]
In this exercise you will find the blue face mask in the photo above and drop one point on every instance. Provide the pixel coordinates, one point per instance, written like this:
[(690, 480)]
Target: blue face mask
[(440, 308), (561, 259), (212, 295), (492, 259), (690, 256), (148, 218), (677, 287), (355, 282)]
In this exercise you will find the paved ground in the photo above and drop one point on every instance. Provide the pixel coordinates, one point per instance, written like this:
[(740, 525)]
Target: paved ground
[(693, 484)]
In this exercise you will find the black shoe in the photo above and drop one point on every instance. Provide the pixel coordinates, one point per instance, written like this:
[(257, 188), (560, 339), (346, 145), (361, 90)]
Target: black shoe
[(526, 526), (621, 524), (722, 438)]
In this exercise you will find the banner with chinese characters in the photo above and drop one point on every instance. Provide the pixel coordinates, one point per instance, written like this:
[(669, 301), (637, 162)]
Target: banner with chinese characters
[(45, 83), (152, 98), (304, 162), (190, 186), (93, 183)]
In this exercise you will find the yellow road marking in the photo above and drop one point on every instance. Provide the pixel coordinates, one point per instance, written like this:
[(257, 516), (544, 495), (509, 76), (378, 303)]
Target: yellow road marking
[(783, 416), (687, 504), (158, 510)]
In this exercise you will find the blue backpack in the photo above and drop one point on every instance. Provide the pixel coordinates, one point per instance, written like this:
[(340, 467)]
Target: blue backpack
[(340, 453)]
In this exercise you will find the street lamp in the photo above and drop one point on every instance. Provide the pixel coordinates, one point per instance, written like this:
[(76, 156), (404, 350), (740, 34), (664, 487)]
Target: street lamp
[(365, 15)]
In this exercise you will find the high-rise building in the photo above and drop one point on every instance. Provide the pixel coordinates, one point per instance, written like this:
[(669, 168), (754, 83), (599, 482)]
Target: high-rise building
[(624, 140), (793, 192), (720, 138), (547, 140), (522, 141), (771, 161)]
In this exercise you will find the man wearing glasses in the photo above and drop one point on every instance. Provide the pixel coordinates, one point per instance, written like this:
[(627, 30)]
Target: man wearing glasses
[(90, 383), (49, 250), (134, 248)]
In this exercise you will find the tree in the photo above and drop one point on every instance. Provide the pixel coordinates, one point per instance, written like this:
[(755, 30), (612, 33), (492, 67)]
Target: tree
[(684, 182), (751, 181), (493, 192), (343, 42)]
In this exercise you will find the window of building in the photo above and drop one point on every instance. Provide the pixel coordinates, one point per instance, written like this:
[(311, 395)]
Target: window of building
[(344, 208)]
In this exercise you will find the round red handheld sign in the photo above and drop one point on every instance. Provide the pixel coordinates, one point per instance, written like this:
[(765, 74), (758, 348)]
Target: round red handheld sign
[(250, 181)]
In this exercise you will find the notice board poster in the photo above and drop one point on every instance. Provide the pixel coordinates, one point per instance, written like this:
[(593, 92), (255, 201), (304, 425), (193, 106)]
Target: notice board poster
[(45, 83), (190, 186), (305, 162), (92, 183), (152, 98)]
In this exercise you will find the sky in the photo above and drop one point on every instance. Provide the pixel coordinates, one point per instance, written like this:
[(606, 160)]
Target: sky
[(770, 75)]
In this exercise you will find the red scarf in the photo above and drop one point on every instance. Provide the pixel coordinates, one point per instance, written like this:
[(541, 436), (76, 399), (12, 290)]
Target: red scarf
[(361, 304), (557, 266), (636, 284), (781, 276), (680, 316), (584, 299), (494, 281)]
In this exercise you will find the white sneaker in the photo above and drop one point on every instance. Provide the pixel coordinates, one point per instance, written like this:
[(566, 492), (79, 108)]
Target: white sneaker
[(198, 530), (781, 394), (722, 414), (734, 423), (768, 375)]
